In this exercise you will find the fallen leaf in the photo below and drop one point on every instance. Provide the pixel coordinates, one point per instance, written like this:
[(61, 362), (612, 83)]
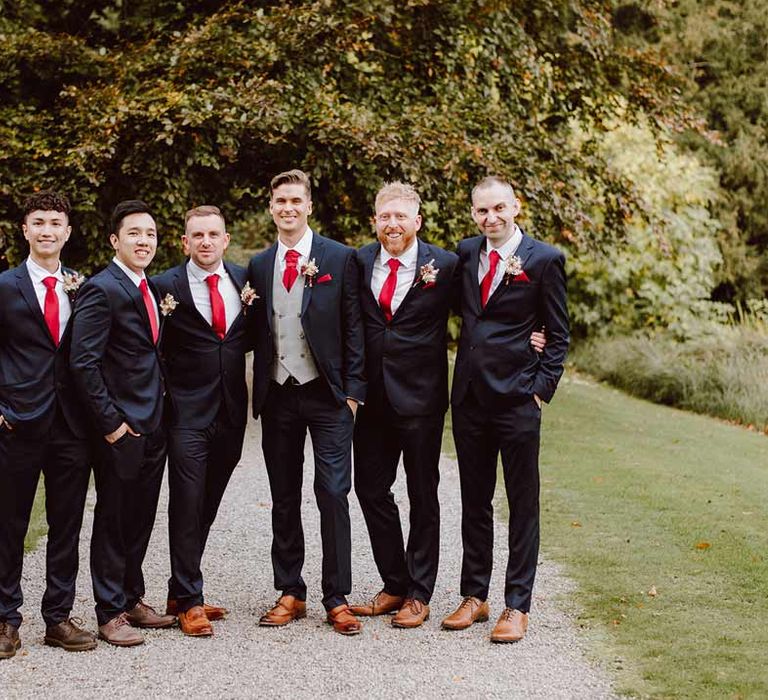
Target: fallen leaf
[(703, 545), (575, 523)]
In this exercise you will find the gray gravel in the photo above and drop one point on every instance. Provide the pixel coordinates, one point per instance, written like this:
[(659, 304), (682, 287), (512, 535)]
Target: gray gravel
[(306, 659)]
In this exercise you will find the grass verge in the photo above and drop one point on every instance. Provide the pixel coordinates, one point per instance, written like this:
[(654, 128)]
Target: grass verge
[(37, 524), (660, 517)]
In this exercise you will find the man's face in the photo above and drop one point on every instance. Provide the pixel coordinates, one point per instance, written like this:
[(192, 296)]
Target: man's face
[(290, 207), (396, 224), (46, 232), (135, 242), (205, 240), (494, 209)]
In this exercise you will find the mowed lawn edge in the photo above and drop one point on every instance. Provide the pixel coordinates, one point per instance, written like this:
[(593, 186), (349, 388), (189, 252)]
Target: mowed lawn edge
[(660, 516)]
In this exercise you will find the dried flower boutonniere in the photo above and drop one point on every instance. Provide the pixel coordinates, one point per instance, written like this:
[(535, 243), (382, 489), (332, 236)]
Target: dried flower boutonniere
[(247, 296), (513, 269), (72, 281), (168, 304), (427, 274), (309, 270)]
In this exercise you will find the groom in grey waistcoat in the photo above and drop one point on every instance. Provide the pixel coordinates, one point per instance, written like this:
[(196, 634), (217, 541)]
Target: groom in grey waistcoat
[(308, 375)]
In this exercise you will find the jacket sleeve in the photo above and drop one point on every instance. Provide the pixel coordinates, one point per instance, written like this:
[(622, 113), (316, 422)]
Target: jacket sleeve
[(353, 374), (554, 316), (90, 332)]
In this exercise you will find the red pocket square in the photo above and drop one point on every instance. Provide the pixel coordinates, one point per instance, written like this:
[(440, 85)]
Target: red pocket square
[(522, 277), (324, 278)]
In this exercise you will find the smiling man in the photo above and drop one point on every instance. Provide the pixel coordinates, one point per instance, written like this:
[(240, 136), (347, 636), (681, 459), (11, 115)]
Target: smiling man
[(116, 365), (511, 285), (308, 375), (204, 347), (41, 426)]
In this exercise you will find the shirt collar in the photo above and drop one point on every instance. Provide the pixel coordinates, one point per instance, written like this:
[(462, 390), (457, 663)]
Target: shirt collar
[(407, 258), (509, 247), (303, 247), (38, 273), (199, 274), (136, 279)]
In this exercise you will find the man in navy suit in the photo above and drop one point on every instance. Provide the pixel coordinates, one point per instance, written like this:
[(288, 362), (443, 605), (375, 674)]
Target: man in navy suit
[(407, 290), (511, 284), (204, 347), (41, 429), (308, 374), (116, 365)]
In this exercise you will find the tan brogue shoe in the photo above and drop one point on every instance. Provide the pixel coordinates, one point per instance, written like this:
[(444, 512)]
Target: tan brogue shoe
[(195, 623), (212, 612), (143, 615), (510, 627), (382, 604), (470, 611), (9, 640), (118, 632), (343, 621), (414, 613), (285, 610), (70, 636)]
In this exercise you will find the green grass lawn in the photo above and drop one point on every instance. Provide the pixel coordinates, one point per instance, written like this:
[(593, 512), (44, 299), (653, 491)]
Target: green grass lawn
[(639, 499), (37, 525)]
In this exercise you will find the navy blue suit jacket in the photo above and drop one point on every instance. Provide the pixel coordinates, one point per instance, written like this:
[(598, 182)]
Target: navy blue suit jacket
[(406, 359), (34, 373), (330, 317), (114, 361), (202, 371), (495, 352)]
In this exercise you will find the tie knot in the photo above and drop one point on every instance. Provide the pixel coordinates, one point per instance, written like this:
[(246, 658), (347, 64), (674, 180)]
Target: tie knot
[(213, 281), (291, 257), (394, 264), (49, 282), (494, 257), (143, 285)]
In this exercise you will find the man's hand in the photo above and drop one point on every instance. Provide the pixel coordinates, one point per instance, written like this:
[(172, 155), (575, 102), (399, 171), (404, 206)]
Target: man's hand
[(539, 340), (124, 428), (537, 400), (352, 406), (5, 423)]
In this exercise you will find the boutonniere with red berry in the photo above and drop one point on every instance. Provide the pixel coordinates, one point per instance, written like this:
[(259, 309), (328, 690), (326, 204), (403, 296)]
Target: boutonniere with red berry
[(427, 275), (247, 296), (309, 271), (513, 270), (71, 283)]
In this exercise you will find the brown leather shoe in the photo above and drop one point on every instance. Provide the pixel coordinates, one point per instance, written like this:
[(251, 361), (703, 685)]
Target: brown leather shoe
[(343, 621), (194, 622), (118, 632), (70, 636), (414, 613), (212, 612), (285, 610), (470, 611), (382, 604), (511, 626), (143, 615), (9, 640)]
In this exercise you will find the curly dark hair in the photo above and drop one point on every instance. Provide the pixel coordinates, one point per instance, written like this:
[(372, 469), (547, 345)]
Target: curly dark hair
[(46, 200)]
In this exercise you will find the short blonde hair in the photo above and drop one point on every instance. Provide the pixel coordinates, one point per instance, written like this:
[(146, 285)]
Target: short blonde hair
[(398, 190), (203, 210)]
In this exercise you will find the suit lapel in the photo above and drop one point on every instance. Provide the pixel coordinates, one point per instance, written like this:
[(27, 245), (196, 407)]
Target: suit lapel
[(269, 261), (135, 295), (238, 282), (523, 251), (369, 259), (184, 293), (316, 254), (24, 282), (422, 258), (474, 267)]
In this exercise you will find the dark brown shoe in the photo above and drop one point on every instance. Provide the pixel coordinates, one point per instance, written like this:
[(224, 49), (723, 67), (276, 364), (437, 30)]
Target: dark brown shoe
[(119, 633), (9, 640), (287, 609), (343, 621), (70, 636), (470, 610), (195, 623), (382, 604), (143, 615), (511, 626), (212, 612), (414, 613)]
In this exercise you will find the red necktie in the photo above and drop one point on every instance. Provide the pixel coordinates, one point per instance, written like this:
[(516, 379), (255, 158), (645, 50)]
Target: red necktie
[(291, 272), (218, 313), (144, 288), (51, 309), (388, 288), (485, 285)]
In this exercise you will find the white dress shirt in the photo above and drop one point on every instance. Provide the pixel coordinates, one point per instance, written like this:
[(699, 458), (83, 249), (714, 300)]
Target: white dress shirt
[(201, 294), (509, 248), (37, 274), (406, 273), (303, 248), (136, 279)]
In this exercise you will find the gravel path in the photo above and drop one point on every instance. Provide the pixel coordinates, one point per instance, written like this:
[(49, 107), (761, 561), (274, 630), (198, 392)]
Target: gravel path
[(305, 659)]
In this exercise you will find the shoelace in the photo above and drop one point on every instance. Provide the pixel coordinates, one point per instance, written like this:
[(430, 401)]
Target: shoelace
[(121, 620), (468, 603), (508, 614), (413, 605), (76, 622)]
